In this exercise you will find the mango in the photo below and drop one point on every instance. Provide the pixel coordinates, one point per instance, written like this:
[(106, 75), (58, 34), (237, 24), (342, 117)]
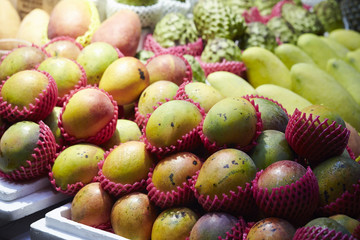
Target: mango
[(316, 48), (353, 58), (291, 54), (264, 67), (319, 87), (230, 84), (328, 223), (121, 30), (338, 48), (287, 98), (347, 37), (346, 75), (10, 22), (271, 229)]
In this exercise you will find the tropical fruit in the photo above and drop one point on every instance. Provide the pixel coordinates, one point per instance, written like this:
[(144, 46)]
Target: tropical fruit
[(125, 79), (350, 10), (64, 47), (272, 229), (230, 84), (10, 20), (319, 87), (220, 49), (263, 67), (77, 163), (349, 38), (340, 50), (95, 58), (282, 30), (329, 14), (175, 29), (258, 34), (122, 30), (91, 205), (328, 223), (133, 215), (197, 70), (291, 54), (174, 224), (354, 59)]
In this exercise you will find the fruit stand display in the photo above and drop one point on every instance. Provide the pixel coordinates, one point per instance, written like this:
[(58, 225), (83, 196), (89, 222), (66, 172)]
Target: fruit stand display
[(169, 119)]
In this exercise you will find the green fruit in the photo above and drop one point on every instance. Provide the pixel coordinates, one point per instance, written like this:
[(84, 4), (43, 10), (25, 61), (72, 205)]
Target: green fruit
[(95, 58), (318, 87), (220, 49), (225, 171), (354, 59), (282, 30), (213, 226), (144, 55), (173, 224), (231, 121), (126, 130), (77, 163), (23, 88), (349, 223), (230, 84), (171, 121), (156, 92), (280, 173), (271, 147), (265, 6), (128, 163), (174, 170), (272, 115), (239, 6), (175, 29), (52, 122), (291, 54), (214, 19), (20, 59), (328, 223), (338, 48), (17, 145), (65, 72), (335, 176), (198, 72), (329, 14), (203, 94), (324, 113), (258, 35), (348, 38)]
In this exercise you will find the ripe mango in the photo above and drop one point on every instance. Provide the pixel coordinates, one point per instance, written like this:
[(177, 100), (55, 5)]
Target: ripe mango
[(9, 22), (264, 67), (354, 59), (349, 38), (290, 54), (316, 48), (287, 98), (230, 84), (319, 87), (346, 75)]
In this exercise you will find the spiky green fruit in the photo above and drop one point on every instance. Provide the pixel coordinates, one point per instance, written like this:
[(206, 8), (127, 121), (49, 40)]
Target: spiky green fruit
[(239, 6), (175, 29), (351, 11), (213, 18), (303, 21), (282, 30), (198, 72), (329, 14), (258, 35), (265, 6), (219, 49)]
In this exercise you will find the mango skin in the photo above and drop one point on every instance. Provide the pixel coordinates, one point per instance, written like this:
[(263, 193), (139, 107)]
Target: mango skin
[(87, 112), (203, 94), (174, 223), (224, 171), (272, 115), (132, 216), (291, 54), (52, 122), (128, 163), (335, 176), (353, 58), (349, 223), (91, 205), (271, 147), (231, 121), (17, 144), (324, 113), (65, 72), (125, 79), (170, 121), (281, 173), (349, 38), (63, 48), (175, 169), (212, 225), (95, 58), (22, 88), (77, 163), (24, 58), (272, 229), (329, 223)]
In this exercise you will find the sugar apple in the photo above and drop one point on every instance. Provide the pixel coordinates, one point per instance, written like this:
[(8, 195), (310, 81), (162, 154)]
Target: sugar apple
[(282, 30), (219, 49), (258, 35), (329, 14)]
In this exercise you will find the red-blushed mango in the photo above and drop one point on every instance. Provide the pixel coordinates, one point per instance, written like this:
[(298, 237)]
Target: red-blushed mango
[(271, 229), (132, 216), (122, 30), (91, 205), (63, 48), (87, 112)]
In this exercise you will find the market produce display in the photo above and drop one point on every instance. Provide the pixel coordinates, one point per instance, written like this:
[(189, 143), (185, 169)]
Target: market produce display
[(208, 119)]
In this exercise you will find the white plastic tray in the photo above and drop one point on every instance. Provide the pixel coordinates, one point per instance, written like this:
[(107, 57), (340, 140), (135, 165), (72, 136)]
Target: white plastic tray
[(57, 225)]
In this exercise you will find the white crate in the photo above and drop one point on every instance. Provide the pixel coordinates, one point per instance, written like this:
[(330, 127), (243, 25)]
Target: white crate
[(57, 225)]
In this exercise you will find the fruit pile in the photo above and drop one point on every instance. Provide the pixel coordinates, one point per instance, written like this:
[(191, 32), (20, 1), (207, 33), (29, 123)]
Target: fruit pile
[(239, 123)]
